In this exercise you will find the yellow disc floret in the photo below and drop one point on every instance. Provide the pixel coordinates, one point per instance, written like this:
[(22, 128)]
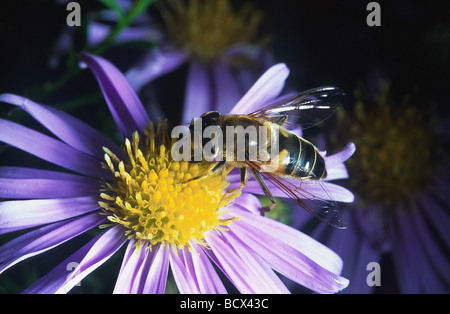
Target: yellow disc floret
[(395, 144), (206, 28), (150, 197)]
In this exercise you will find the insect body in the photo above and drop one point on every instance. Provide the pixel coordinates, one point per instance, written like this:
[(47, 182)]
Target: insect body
[(294, 159)]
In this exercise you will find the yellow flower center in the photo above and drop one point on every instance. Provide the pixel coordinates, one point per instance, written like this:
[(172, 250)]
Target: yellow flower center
[(206, 28), (150, 198), (394, 150)]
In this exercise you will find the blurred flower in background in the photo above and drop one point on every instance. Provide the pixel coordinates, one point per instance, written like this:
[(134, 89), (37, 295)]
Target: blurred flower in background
[(400, 177), (222, 45)]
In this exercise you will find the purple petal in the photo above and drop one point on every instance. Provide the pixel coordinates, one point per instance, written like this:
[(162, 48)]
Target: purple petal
[(289, 261), (126, 108), (243, 51), (198, 93), (61, 279), (154, 64), (264, 280), (268, 86), (232, 265), (248, 202), (369, 222), (63, 44), (309, 189), (186, 258), (299, 241), (69, 129), (18, 215), (337, 172), (207, 277), (139, 33), (131, 269), (356, 249), (49, 149), (46, 188), (143, 270), (406, 255), (437, 260), (260, 59), (97, 32), (328, 191), (45, 238), (415, 252), (157, 275), (17, 182), (439, 218), (186, 283), (100, 250), (227, 92), (142, 29), (363, 253), (32, 173), (338, 158)]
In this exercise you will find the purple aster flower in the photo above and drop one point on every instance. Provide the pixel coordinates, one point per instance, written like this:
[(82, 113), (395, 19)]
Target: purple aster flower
[(139, 197), (400, 213)]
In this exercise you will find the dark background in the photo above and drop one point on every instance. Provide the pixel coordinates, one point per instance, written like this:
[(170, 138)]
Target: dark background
[(322, 42)]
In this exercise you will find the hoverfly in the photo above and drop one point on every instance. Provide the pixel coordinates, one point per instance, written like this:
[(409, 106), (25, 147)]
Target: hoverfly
[(297, 159)]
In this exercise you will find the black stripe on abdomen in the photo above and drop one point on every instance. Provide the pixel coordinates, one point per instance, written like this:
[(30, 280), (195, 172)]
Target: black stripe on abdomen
[(291, 144), (319, 171), (306, 161)]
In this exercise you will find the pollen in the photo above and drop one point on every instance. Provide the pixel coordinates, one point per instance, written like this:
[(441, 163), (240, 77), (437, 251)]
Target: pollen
[(395, 144), (150, 194), (206, 28)]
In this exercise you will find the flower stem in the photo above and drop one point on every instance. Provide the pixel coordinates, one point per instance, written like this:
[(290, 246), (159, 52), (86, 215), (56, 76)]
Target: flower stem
[(125, 19)]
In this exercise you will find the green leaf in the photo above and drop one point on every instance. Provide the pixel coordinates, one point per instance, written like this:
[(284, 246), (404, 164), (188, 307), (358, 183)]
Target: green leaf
[(113, 5), (126, 19), (139, 7)]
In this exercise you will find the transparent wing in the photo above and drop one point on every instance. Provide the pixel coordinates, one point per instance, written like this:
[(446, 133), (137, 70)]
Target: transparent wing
[(323, 209), (305, 109)]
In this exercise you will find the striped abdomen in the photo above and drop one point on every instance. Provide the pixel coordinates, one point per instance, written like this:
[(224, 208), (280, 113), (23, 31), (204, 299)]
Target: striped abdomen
[(300, 158)]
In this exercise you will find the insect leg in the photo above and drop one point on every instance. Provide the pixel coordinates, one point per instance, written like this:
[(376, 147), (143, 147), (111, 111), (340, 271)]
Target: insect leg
[(243, 171), (266, 191), (218, 166)]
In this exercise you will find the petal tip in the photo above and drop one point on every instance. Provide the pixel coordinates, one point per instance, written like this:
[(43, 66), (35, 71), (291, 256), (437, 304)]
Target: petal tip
[(84, 58), (280, 67), (351, 148)]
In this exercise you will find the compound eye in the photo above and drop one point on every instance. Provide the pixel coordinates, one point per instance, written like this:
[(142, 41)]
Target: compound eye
[(191, 125), (211, 115)]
